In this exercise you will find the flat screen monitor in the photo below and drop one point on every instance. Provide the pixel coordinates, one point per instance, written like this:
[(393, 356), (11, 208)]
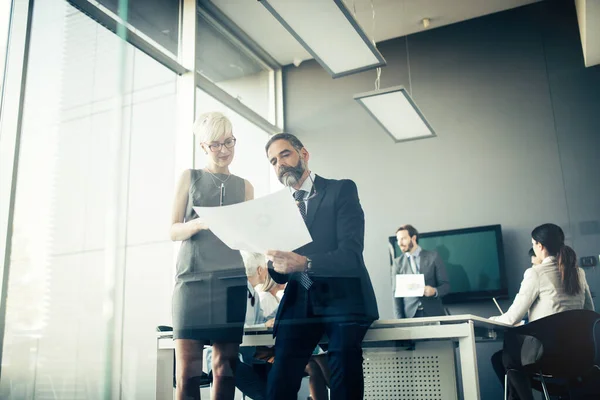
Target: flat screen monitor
[(474, 259)]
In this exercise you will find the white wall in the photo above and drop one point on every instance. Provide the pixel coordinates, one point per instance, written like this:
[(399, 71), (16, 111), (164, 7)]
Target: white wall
[(516, 113), (497, 159)]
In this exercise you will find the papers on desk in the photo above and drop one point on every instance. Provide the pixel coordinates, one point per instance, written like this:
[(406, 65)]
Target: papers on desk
[(410, 285), (251, 326), (255, 327), (272, 222)]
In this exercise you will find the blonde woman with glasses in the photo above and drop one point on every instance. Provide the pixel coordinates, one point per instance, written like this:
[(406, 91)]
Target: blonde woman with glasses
[(209, 298)]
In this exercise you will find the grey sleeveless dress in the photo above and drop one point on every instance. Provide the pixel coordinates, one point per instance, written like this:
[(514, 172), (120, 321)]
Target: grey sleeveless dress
[(209, 299)]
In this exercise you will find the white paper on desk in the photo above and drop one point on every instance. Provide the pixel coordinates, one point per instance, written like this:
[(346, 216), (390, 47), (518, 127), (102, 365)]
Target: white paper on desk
[(410, 285), (272, 222), (255, 326)]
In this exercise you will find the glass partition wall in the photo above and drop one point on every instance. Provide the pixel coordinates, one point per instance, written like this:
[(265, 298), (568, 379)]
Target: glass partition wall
[(87, 258)]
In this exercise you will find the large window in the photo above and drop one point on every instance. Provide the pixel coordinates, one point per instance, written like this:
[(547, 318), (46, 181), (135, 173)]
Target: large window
[(225, 62), (99, 111), (156, 19), (4, 21), (85, 88)]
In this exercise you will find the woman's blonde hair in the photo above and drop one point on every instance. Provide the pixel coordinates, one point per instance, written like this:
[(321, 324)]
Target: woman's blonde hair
[(269, 284), (211, 126)]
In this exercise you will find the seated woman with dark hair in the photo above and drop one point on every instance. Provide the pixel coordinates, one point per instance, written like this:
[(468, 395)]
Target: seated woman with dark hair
[(556, 284)]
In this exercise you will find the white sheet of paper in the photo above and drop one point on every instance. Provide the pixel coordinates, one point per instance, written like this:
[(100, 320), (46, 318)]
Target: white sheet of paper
[(410, 285), (271, 222)]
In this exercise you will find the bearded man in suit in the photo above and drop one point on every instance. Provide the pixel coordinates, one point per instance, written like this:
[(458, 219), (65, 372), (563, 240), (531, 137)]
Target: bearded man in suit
[(415, 260), (328, 286)]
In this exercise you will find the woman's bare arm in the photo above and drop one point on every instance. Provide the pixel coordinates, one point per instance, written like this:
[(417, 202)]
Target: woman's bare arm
[(249, 191), (183, 230)]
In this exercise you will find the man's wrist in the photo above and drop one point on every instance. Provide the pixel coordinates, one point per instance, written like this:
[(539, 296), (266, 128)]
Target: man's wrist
[(307, 265)]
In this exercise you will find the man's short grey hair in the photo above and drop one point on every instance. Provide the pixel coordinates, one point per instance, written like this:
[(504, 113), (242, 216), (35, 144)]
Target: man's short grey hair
[(211, 126), (252, 261), (291, 139)]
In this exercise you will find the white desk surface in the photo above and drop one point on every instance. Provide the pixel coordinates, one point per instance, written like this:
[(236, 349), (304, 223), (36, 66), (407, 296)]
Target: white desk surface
[(478, 322), (458, 328), (445, 320)]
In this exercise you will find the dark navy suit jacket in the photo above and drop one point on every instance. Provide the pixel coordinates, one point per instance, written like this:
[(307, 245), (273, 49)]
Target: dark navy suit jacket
[(341, 284)]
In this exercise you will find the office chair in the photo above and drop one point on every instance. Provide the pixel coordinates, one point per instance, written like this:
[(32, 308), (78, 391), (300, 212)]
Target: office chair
[(568, 364)]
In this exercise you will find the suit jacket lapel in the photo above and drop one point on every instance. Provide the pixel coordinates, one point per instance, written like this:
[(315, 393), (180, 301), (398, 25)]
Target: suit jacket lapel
[(423, 264), (405, 267), (315, 202)]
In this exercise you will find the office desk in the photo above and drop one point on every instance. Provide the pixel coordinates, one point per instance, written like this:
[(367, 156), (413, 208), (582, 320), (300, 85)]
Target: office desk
[(432, 355)]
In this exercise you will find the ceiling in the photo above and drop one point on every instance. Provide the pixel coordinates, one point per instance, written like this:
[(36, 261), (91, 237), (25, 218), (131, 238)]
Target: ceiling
[(393, 18)]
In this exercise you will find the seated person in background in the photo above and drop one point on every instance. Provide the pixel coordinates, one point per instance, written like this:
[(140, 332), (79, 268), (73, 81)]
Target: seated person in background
[(415, 260), (556, 284), (257, 274), (251, 372), (249, 379), (270, 293), (535, 260)]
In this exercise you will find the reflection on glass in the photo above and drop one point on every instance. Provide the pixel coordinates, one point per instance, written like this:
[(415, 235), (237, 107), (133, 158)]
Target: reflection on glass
[(158, 19), (4, 22), (231, 68)]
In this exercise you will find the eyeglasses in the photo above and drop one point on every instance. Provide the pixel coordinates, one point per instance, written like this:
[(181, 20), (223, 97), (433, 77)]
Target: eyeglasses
[(215, 147)]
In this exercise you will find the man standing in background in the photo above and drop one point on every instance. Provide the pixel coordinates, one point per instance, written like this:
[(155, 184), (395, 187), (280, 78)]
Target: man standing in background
[(415, 260)]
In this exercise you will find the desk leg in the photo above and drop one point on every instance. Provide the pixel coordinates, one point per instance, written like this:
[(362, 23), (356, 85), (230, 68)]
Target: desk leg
[(468, 362), (164, 374)]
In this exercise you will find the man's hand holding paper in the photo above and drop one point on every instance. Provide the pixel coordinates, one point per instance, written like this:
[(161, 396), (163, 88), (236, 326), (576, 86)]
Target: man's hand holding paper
[(269, 222), (286, 262)]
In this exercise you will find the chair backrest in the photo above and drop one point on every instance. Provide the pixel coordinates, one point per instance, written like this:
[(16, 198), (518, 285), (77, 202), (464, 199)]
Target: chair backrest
[(570, 340), (163, 328), (597, 344)]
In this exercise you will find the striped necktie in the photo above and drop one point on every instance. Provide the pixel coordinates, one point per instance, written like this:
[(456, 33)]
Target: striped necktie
[(299, 196)]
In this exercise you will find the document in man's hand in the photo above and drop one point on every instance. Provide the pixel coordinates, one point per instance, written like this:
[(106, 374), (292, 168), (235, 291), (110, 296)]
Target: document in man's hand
[(272, 222), (410, 285)]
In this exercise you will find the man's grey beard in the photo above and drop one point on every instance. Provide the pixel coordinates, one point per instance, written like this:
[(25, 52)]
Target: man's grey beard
[(290, 176)]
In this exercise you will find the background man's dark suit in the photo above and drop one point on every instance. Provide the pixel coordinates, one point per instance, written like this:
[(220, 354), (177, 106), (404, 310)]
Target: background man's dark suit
[(432, 266), (341, 301)]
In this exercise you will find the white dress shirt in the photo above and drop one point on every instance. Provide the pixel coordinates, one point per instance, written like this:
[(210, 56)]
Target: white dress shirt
[(268, 303), (254, 314), (415, 256)]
